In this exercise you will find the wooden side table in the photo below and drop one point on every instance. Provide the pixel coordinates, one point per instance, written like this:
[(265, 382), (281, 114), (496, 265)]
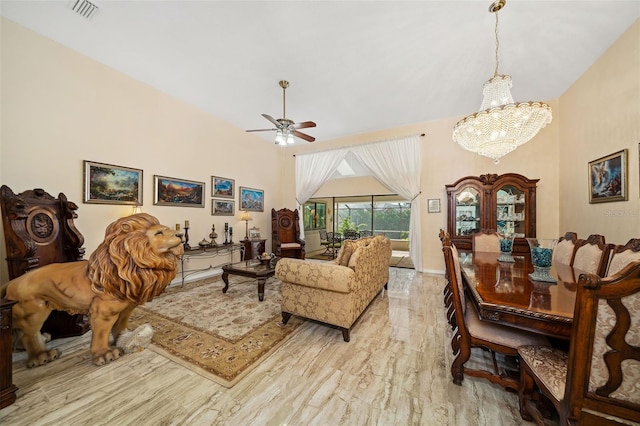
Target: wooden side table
[(253, 248), (7, 388)]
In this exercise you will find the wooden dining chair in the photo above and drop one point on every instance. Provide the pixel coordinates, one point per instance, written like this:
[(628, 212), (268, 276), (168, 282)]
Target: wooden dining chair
[(447, 293), (591, 255), (595, 383), (621, 256), (563, 252), (486, 241), (472, 333)]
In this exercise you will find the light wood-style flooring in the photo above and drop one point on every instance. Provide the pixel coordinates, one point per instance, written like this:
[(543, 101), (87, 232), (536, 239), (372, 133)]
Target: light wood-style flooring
[(395, 371)]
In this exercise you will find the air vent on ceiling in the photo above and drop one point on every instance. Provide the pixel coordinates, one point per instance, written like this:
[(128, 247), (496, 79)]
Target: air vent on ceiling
[(84, 8)]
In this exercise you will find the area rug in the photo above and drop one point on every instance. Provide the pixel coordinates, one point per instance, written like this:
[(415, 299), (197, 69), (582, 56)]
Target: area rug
[(220, 336)]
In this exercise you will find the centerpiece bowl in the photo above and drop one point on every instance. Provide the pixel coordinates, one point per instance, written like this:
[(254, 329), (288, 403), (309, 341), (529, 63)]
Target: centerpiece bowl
[(541, 256)]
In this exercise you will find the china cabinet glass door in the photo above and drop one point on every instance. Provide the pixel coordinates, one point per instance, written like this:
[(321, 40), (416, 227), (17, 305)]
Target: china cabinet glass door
[(510, 211), (468, 213)]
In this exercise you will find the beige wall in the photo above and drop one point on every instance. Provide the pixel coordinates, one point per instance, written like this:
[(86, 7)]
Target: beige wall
[(60, 108), (601, 115)]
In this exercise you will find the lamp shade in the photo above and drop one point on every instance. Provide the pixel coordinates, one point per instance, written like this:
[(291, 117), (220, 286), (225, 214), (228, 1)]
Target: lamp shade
[(245, 216)]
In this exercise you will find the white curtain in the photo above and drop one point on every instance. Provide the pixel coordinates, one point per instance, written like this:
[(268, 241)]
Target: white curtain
[(397, 165), (312, 170)]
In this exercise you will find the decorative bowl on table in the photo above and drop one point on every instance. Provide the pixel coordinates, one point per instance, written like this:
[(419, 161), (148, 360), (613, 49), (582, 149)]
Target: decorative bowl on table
[(541, 256), (506, 247), (265, 258)]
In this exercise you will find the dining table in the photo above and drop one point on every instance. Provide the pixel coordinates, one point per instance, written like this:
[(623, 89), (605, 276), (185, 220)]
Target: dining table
[(504, 293)]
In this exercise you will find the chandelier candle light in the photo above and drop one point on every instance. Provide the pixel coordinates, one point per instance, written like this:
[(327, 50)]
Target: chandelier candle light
[(501, 125)]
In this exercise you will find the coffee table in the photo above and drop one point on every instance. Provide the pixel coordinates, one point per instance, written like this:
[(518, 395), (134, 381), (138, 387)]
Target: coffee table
[(252, 269)]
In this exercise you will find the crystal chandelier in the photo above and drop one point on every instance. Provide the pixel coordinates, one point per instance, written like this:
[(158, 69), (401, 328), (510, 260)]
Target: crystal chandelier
[(501, 125)]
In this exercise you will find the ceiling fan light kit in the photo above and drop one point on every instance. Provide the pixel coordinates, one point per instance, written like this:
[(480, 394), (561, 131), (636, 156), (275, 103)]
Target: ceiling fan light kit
[(286, 129), (501, 125)]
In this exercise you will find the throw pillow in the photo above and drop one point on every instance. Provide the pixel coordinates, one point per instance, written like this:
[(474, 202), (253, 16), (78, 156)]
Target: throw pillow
[(348, 246)]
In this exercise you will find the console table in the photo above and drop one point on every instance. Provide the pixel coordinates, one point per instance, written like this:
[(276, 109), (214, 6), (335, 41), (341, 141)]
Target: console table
[(208, 252)]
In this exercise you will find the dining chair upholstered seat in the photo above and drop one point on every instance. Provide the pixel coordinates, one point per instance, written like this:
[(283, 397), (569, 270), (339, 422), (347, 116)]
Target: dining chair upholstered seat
[(486, 241), (471, 332), (621, 256), (592, 255), (597, 381), (563, 252)]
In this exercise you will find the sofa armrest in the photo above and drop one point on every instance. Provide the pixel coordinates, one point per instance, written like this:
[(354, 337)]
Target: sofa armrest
[(325, 276)]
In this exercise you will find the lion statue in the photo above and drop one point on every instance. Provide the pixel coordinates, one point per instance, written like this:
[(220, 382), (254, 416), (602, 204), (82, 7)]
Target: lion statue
[(136, 261)]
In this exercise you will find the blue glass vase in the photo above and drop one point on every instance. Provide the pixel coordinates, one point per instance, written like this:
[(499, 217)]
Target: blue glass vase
[(506, 247), (541, 256)]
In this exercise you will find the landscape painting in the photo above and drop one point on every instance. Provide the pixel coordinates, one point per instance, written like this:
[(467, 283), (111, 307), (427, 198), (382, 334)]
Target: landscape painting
[(608, 178), (178, 192), (251, 199), (222, 187), (109, 184), (223, 208)]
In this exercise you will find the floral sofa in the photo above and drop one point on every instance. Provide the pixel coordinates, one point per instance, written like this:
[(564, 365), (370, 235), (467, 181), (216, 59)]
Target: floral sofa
[(336, 292)]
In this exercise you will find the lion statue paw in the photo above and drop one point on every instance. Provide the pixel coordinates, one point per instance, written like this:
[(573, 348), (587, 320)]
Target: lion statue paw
[(106, 356), (43, 358)]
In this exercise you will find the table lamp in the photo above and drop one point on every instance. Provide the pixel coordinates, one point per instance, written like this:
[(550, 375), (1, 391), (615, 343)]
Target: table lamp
[(246, 217)]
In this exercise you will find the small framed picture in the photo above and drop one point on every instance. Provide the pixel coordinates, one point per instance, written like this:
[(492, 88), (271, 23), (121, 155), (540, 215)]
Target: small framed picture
[(433, 205), (223, 208), (254, 233), (251, 200), (109, 184), (608, 178), (223, 187), (178, 192)]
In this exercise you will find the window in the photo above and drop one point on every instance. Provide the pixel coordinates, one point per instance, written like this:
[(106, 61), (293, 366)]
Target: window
[(314, 215)]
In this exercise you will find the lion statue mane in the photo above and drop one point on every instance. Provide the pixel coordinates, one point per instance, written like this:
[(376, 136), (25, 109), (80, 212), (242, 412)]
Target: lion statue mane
[(136, 261)]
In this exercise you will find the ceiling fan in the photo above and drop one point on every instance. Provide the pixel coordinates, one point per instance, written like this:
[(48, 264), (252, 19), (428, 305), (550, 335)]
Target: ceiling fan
[(286, 129)]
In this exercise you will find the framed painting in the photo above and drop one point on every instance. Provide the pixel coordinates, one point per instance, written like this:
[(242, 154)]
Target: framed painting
[(433, 205), (608, 178), (178, 192), (109, 184), (223, 208), (251, 199), (223, 187)]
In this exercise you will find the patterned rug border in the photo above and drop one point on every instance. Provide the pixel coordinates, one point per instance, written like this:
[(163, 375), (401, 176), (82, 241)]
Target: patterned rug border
[(234, 358)]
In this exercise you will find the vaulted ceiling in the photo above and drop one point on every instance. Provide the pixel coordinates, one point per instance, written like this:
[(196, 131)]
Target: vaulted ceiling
[(353, 66)]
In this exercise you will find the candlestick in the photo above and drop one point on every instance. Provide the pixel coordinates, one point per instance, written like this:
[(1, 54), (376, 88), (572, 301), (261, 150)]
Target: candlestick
[(230, 235), (186, 238), (186, 223)]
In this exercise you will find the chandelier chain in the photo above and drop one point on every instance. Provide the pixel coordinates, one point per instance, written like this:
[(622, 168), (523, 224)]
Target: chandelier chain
[(495, 72)]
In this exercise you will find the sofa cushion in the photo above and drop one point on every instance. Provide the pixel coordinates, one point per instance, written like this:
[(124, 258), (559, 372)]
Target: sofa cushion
[(347, 249)]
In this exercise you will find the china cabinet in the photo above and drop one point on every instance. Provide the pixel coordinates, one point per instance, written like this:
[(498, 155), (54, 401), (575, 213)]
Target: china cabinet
[(505, 203)]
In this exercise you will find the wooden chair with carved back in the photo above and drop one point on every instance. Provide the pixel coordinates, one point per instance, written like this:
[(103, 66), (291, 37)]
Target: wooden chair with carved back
[(563, 252), (591, 255), (486, 241), (39, 229), (595, 383), (472, 333), (622, 255), (285, 229)]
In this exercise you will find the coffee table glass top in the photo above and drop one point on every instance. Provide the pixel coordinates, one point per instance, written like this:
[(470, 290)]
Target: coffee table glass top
[(251, 265)]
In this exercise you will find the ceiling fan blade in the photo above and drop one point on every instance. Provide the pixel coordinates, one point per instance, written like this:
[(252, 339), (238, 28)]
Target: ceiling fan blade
[(260, 130), (303, 136), (271, 119), (304, 125)]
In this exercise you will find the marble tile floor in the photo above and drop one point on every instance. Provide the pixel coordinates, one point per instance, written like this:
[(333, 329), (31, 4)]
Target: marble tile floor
[(395, 371)]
